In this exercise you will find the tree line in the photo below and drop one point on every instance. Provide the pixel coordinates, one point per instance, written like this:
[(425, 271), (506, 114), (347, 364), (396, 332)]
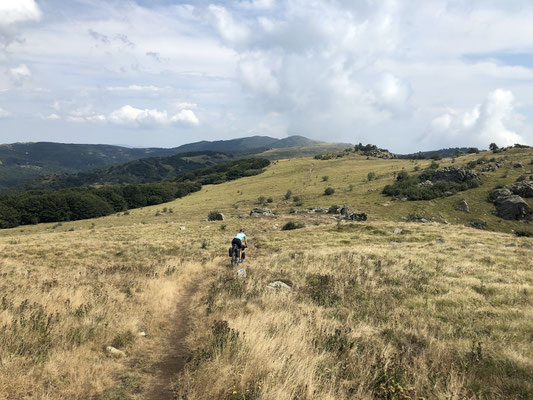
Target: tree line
[(34, 207)]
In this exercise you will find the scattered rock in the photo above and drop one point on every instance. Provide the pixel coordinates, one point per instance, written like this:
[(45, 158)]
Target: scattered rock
[(279, 285), (261, 212), (242, 216), (345, 211), (441, 240), (478, 224), (398, 231), (416, 218), (115, 352), (241, 273), (141, 334), (334, 209), (518, 165), (462, 206), (357, 217), (523, 189), (527, 246), (512, 208), (387, 204), (510, 245), (181, 228)]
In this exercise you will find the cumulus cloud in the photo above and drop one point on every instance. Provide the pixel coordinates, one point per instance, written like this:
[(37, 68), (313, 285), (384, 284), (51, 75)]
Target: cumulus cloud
[(131, 116), (14, 13), (186, 117), (484, 123)]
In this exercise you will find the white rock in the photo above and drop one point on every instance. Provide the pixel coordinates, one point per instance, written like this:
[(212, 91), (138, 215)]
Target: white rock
[(141, 334), (181, 228), (278, 285), (398, 231), (115, 352)]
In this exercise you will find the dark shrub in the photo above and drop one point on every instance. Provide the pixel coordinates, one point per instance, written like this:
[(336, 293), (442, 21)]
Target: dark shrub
[(291, 225), (329, 191)]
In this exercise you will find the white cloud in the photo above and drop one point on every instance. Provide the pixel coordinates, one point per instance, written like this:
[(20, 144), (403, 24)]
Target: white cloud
[(135, 88), (392, 90), (20, 74), (17, 11), (442, 123), (13, 13), (344, 70), (496, 113), (186, 117), (52, 117), (230, 30), (4, 113), (483, 124), (128, 115)]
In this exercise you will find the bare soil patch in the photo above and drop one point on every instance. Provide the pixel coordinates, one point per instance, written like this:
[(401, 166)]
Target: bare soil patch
[(178, 352)]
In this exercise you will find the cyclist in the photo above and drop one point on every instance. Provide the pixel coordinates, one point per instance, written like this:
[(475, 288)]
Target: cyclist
[(241, 241)]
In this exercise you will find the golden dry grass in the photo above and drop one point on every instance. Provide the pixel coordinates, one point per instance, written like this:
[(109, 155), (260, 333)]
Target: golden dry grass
[(398, 315), (370, 314)]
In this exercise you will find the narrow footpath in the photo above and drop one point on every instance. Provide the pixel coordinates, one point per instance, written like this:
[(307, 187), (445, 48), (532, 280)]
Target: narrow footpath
[(178, 353)]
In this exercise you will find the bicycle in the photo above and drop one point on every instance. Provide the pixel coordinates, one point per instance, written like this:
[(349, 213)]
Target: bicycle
[(234, 254)]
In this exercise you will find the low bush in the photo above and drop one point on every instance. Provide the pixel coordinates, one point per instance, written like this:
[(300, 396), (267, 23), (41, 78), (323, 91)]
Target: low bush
[(329, 191), (291, 225)]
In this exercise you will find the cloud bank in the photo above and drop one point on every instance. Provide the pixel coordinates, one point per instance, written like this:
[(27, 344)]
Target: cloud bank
[(404, 75)]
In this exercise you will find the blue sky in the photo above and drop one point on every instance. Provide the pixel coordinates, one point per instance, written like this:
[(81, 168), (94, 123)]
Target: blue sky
[(405, 75)]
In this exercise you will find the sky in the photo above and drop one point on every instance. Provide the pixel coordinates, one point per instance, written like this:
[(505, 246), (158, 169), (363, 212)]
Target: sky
[(406, 75)]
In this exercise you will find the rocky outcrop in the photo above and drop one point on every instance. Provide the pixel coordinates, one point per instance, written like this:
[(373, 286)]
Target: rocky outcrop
[(457, 175), (523, 189), (512, 208), (462, 206), (261, 212), (492, 166), (499, 193)]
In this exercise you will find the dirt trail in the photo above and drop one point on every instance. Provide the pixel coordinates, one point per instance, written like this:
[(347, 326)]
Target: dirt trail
[(178, 353)]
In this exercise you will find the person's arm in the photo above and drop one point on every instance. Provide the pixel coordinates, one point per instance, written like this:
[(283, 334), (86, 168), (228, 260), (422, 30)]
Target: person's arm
[(246, 242)]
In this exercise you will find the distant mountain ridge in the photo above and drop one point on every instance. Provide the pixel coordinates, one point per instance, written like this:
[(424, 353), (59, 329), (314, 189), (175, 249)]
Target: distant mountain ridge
[(144, 170), (24, 162)]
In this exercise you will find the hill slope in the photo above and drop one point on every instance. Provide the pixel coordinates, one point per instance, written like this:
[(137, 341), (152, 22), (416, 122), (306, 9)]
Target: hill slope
[(381, 309)]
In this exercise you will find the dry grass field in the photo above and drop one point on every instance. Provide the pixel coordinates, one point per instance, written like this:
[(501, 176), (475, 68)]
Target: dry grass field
[(378, 309)]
